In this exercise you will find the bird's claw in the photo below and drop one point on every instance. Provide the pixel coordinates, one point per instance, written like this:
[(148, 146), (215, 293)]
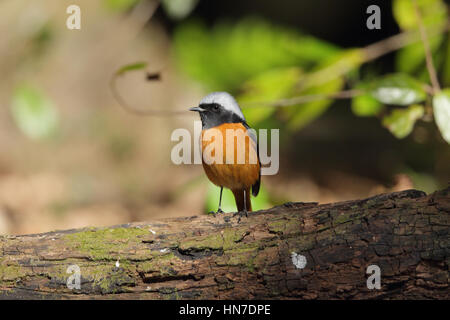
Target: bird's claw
[(241, 214), (216, 213)]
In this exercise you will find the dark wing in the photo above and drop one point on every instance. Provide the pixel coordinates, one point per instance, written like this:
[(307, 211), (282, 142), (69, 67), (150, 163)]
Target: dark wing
[(255, 187)]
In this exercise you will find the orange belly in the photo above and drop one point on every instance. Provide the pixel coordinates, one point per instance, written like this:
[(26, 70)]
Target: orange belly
[(232, 163)]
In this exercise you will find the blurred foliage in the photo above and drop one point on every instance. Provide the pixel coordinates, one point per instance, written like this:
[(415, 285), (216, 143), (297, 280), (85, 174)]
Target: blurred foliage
[(433, 12), (365, 105), (263, 63), (130, 67), (411, 59), (398, 89), (40, 40), (344, 63), (178, 9), (33, 113), (446, 63), (119, 5), (401, 121), (268, 86), (324, 79), (426, 182), (441, 108), (305, 113), (175, 9), (225, 56), (260, 62)]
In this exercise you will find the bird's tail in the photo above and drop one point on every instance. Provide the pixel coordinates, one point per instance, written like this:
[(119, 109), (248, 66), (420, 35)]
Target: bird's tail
[(239, 197)]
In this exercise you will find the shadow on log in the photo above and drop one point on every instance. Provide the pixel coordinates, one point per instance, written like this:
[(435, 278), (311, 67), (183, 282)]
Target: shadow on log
[(293, 251)]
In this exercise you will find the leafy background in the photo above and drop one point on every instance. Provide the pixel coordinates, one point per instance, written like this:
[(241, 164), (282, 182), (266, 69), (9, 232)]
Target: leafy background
[(72, 157)]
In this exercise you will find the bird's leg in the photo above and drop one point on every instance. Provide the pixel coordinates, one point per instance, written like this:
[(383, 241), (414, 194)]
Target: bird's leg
[(220, 201), (220, 204), (243, 212)]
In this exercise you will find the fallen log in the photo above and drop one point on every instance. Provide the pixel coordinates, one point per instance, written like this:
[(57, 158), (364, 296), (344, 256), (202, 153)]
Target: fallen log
[(293, 251)]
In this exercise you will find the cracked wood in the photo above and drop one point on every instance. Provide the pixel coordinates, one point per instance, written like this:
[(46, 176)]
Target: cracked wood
[(405, 233)]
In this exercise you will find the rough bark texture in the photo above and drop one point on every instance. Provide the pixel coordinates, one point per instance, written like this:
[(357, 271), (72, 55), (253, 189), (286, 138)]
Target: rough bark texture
[(406, 234)]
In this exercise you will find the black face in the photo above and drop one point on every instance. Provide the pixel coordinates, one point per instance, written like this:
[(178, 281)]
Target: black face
[(215, 115)]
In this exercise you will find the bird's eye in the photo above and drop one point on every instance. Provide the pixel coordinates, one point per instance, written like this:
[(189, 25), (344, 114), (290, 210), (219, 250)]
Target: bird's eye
[(215, 107)]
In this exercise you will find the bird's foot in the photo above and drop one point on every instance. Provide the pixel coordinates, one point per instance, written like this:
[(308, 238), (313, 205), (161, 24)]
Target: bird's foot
[(219, 211), (240, 214)]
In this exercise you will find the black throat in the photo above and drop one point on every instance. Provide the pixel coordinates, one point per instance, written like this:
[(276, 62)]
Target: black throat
[(213, 117)]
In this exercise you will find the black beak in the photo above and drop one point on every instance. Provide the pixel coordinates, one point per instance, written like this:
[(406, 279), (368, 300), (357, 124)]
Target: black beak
[(198, 109)]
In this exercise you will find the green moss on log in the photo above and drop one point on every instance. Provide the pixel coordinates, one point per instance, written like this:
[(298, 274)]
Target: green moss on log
[(104, 244)]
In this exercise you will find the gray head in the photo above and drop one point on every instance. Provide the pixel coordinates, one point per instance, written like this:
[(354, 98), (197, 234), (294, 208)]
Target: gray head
[(218, 108)]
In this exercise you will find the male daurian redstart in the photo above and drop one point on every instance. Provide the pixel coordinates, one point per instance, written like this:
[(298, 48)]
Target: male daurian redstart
[(222, 117)]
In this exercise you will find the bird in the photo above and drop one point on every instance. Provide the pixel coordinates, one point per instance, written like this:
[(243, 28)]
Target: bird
[(220, 114)]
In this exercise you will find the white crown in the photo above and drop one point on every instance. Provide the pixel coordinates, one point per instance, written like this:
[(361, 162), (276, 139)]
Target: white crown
[(226, 100)]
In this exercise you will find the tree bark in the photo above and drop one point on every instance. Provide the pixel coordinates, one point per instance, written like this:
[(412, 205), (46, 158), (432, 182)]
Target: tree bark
[(406, 234)]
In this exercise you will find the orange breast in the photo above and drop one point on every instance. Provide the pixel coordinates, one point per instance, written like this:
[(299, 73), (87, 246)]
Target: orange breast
[(230, 156)]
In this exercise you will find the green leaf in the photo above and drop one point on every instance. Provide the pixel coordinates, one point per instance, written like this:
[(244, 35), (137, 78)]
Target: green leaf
[(269, 86), (178, 9), (130, 67), (334, 67), (398, 89), (441, 110), (35, 115), (446, 67), (301, 115), (324, 79), (433, 12), (228, 203), (423, 181), (401, 121), (366, 106), (411, 57), (225, 56)]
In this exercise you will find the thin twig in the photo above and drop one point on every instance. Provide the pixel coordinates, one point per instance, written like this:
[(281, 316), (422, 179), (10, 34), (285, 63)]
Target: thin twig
[(369, 53), (146, 112), (346, 94), (140, 15), (393, 43), (428, 57)]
